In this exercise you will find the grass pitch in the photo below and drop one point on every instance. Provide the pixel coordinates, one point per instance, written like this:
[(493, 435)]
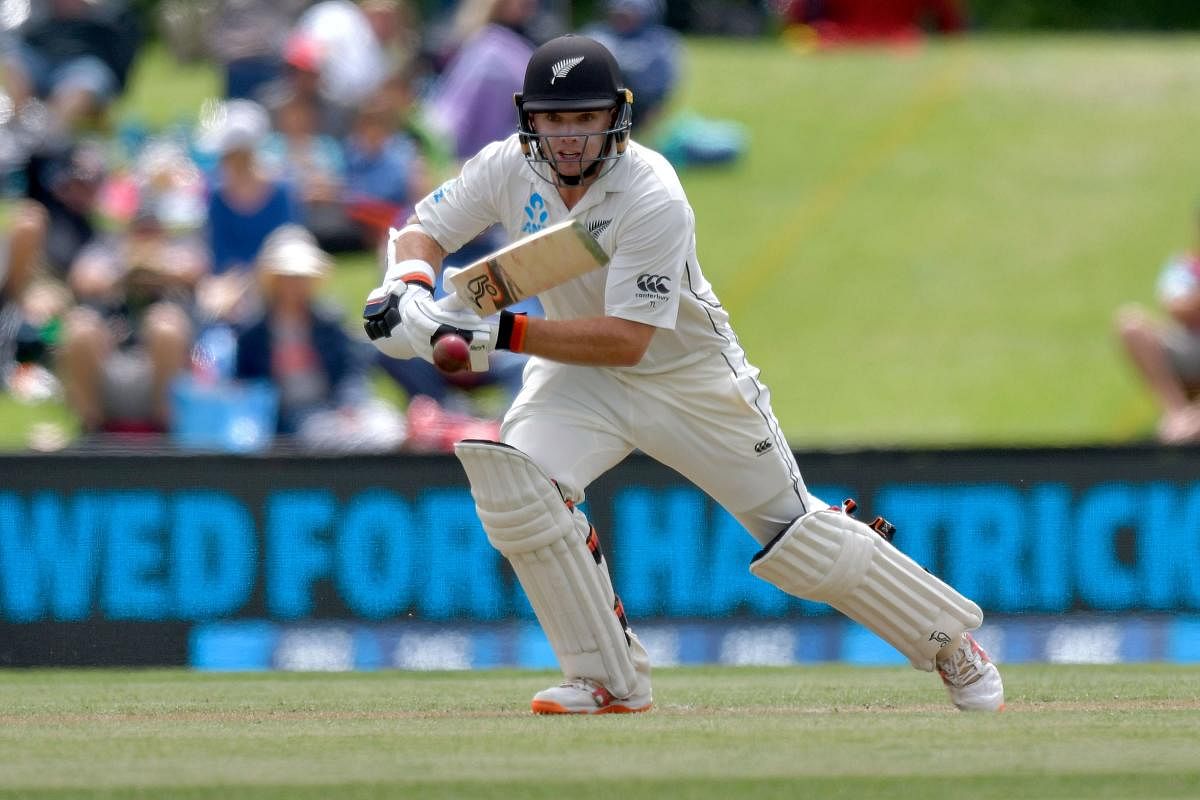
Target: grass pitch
[(1069, 732)]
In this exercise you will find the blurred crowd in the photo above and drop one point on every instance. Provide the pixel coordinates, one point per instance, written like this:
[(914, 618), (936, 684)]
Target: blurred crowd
[(168, 285)]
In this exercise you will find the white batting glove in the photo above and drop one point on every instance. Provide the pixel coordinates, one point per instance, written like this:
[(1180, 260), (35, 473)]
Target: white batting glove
[(404, 282), (424, 320), (381, 317)]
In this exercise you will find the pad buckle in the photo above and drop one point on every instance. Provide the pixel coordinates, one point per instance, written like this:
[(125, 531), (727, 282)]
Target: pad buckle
[(880, 525)]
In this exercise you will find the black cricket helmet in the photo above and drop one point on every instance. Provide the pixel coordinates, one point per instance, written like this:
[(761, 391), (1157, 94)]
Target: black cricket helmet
[(573, 73)]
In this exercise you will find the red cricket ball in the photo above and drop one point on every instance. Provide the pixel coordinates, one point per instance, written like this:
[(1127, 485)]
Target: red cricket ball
[(451, 353)]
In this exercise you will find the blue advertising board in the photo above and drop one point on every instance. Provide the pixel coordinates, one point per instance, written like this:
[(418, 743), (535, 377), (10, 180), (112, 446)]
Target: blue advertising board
[(94, 550)]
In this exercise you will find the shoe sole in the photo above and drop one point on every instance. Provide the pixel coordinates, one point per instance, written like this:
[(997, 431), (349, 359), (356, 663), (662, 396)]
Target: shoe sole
[(997, 710), (549, 707)]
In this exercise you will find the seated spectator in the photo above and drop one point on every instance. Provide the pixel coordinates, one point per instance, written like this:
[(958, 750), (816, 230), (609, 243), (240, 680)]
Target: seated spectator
[(75, 55), (244, 206), (352, 60), (131, 333), (20, 251), (385, 174), (648, 53), (299, 344), (397, 28), (472, 102), (243, 37), (1167, 354), (67, 184), (314, 165), (21, 340), (409, 118), (303, 58), (247, 37)]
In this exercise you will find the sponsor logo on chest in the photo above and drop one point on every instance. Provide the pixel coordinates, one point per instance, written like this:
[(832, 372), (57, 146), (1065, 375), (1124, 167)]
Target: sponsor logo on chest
[(536, 214)]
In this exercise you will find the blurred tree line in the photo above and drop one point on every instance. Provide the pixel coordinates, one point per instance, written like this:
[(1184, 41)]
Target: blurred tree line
[(1104, 15), (750, 17)]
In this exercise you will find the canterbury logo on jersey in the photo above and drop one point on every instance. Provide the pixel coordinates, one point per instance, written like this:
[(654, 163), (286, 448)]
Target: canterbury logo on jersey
[(657, 284), (762, 447), (561, 68), (596, 227)]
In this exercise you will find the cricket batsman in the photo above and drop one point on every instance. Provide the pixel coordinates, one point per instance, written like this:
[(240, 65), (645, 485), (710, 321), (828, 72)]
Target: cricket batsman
[(637, 355)]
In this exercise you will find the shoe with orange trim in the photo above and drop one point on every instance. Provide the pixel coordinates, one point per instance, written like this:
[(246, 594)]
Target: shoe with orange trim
[(585, 696), (971, 678)]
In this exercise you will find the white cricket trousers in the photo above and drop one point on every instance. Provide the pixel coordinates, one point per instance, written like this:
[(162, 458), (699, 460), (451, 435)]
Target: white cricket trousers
[(710, 421)]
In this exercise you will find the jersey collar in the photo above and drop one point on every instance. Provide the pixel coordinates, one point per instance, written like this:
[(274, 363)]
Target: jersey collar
[(615, 180)]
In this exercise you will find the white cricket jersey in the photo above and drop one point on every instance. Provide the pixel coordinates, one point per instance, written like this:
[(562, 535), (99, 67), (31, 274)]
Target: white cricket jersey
[(637, 212)]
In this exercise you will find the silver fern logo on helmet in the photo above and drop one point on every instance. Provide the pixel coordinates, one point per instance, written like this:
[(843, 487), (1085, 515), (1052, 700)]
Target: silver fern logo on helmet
[(561, 68)]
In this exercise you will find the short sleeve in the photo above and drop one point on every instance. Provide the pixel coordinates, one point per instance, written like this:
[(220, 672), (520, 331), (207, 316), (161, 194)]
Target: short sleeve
[(463, 207), (652, 247)]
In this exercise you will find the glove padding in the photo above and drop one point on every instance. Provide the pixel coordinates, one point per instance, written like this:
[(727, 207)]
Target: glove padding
[(384, 312), (381, 314)]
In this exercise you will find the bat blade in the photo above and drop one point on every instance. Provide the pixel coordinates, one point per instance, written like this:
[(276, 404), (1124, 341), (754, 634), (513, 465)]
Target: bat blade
[(528, 267)]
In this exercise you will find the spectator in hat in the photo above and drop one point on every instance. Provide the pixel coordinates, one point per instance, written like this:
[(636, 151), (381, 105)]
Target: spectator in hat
[(1166, 352), (246, 204), (298, 343), (132, 330)]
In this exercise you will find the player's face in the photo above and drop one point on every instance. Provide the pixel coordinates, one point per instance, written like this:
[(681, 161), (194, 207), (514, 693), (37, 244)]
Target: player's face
[(572, 139)]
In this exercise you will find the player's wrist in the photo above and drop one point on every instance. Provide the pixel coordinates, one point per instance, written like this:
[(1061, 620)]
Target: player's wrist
[(510, 334), (411, 271)]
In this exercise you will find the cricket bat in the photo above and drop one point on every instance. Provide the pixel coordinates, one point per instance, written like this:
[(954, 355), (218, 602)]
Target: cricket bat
[(525, 268), (528, 267)]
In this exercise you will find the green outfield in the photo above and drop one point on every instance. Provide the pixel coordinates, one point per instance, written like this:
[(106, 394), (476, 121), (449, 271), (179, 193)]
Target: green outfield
[(921, 246), (1069, 732)]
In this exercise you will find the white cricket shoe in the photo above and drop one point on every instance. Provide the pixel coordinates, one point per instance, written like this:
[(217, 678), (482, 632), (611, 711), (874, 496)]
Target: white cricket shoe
[(585, 696), (971, 678)]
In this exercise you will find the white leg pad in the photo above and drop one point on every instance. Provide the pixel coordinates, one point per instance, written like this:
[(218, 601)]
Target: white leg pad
[(527, 520), (829, 556)]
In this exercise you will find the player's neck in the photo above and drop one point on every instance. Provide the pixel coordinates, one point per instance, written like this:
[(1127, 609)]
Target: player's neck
[(571, 195)]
